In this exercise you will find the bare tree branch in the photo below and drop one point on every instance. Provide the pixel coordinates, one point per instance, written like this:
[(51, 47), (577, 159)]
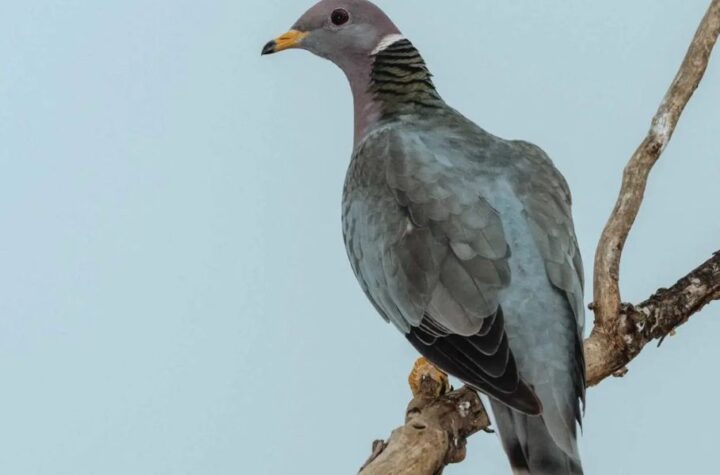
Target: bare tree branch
[(655, 318), (434, 435), (607, 334), (438, 423)]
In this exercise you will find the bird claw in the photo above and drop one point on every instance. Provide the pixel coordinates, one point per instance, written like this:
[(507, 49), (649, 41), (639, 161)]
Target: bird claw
[(428, 381)]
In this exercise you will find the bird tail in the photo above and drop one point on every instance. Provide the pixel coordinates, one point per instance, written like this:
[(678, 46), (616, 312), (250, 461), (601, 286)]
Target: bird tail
[(530, 447)]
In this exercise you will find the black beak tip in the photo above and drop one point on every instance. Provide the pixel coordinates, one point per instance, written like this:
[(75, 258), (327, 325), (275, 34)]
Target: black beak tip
[(268, 48)]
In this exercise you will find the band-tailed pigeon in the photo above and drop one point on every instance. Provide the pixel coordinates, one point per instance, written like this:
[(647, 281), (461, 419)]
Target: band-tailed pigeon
[(461, 239)]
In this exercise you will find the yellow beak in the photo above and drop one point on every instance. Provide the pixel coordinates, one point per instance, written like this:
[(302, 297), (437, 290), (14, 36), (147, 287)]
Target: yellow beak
[(291, 39)]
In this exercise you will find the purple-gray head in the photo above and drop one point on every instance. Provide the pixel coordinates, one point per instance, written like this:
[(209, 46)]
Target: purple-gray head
[(344, 31)]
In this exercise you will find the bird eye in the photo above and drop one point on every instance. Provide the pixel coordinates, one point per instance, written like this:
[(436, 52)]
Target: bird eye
[(339, 17)]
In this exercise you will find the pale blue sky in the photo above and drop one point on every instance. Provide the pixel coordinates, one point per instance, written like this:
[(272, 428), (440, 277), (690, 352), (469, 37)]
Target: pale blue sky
[(175, 293)]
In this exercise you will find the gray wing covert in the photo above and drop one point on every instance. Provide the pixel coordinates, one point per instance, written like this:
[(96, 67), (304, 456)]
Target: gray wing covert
[(443, 259), (445, 208)]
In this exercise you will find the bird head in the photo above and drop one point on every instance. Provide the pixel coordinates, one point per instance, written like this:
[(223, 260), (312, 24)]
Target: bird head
[(339, 30)]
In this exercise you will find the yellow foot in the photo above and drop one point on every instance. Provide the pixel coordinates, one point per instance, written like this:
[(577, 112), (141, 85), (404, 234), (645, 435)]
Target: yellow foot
[(427, 380)]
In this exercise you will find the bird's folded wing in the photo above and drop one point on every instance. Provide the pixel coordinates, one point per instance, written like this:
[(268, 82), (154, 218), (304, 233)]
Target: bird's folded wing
[(446, 269)]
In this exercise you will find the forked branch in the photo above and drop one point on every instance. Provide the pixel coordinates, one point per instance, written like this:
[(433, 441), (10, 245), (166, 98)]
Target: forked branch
[(607, 344)]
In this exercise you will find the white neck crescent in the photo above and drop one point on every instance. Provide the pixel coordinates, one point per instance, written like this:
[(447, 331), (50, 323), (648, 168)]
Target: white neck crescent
[(387, 41)]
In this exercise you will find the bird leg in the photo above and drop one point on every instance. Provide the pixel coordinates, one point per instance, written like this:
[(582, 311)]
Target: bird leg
[(427, 381)]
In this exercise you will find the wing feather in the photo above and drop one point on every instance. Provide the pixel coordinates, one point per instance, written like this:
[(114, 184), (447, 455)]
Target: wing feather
[(457, 235)]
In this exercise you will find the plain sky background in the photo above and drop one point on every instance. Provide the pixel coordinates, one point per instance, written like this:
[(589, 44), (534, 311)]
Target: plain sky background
[(174, 292)]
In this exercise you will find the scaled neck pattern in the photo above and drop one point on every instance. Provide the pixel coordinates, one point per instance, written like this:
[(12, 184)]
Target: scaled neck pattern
[(400, 82)]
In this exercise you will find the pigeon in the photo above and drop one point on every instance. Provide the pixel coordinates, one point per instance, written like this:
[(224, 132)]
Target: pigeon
[(464, 241)]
